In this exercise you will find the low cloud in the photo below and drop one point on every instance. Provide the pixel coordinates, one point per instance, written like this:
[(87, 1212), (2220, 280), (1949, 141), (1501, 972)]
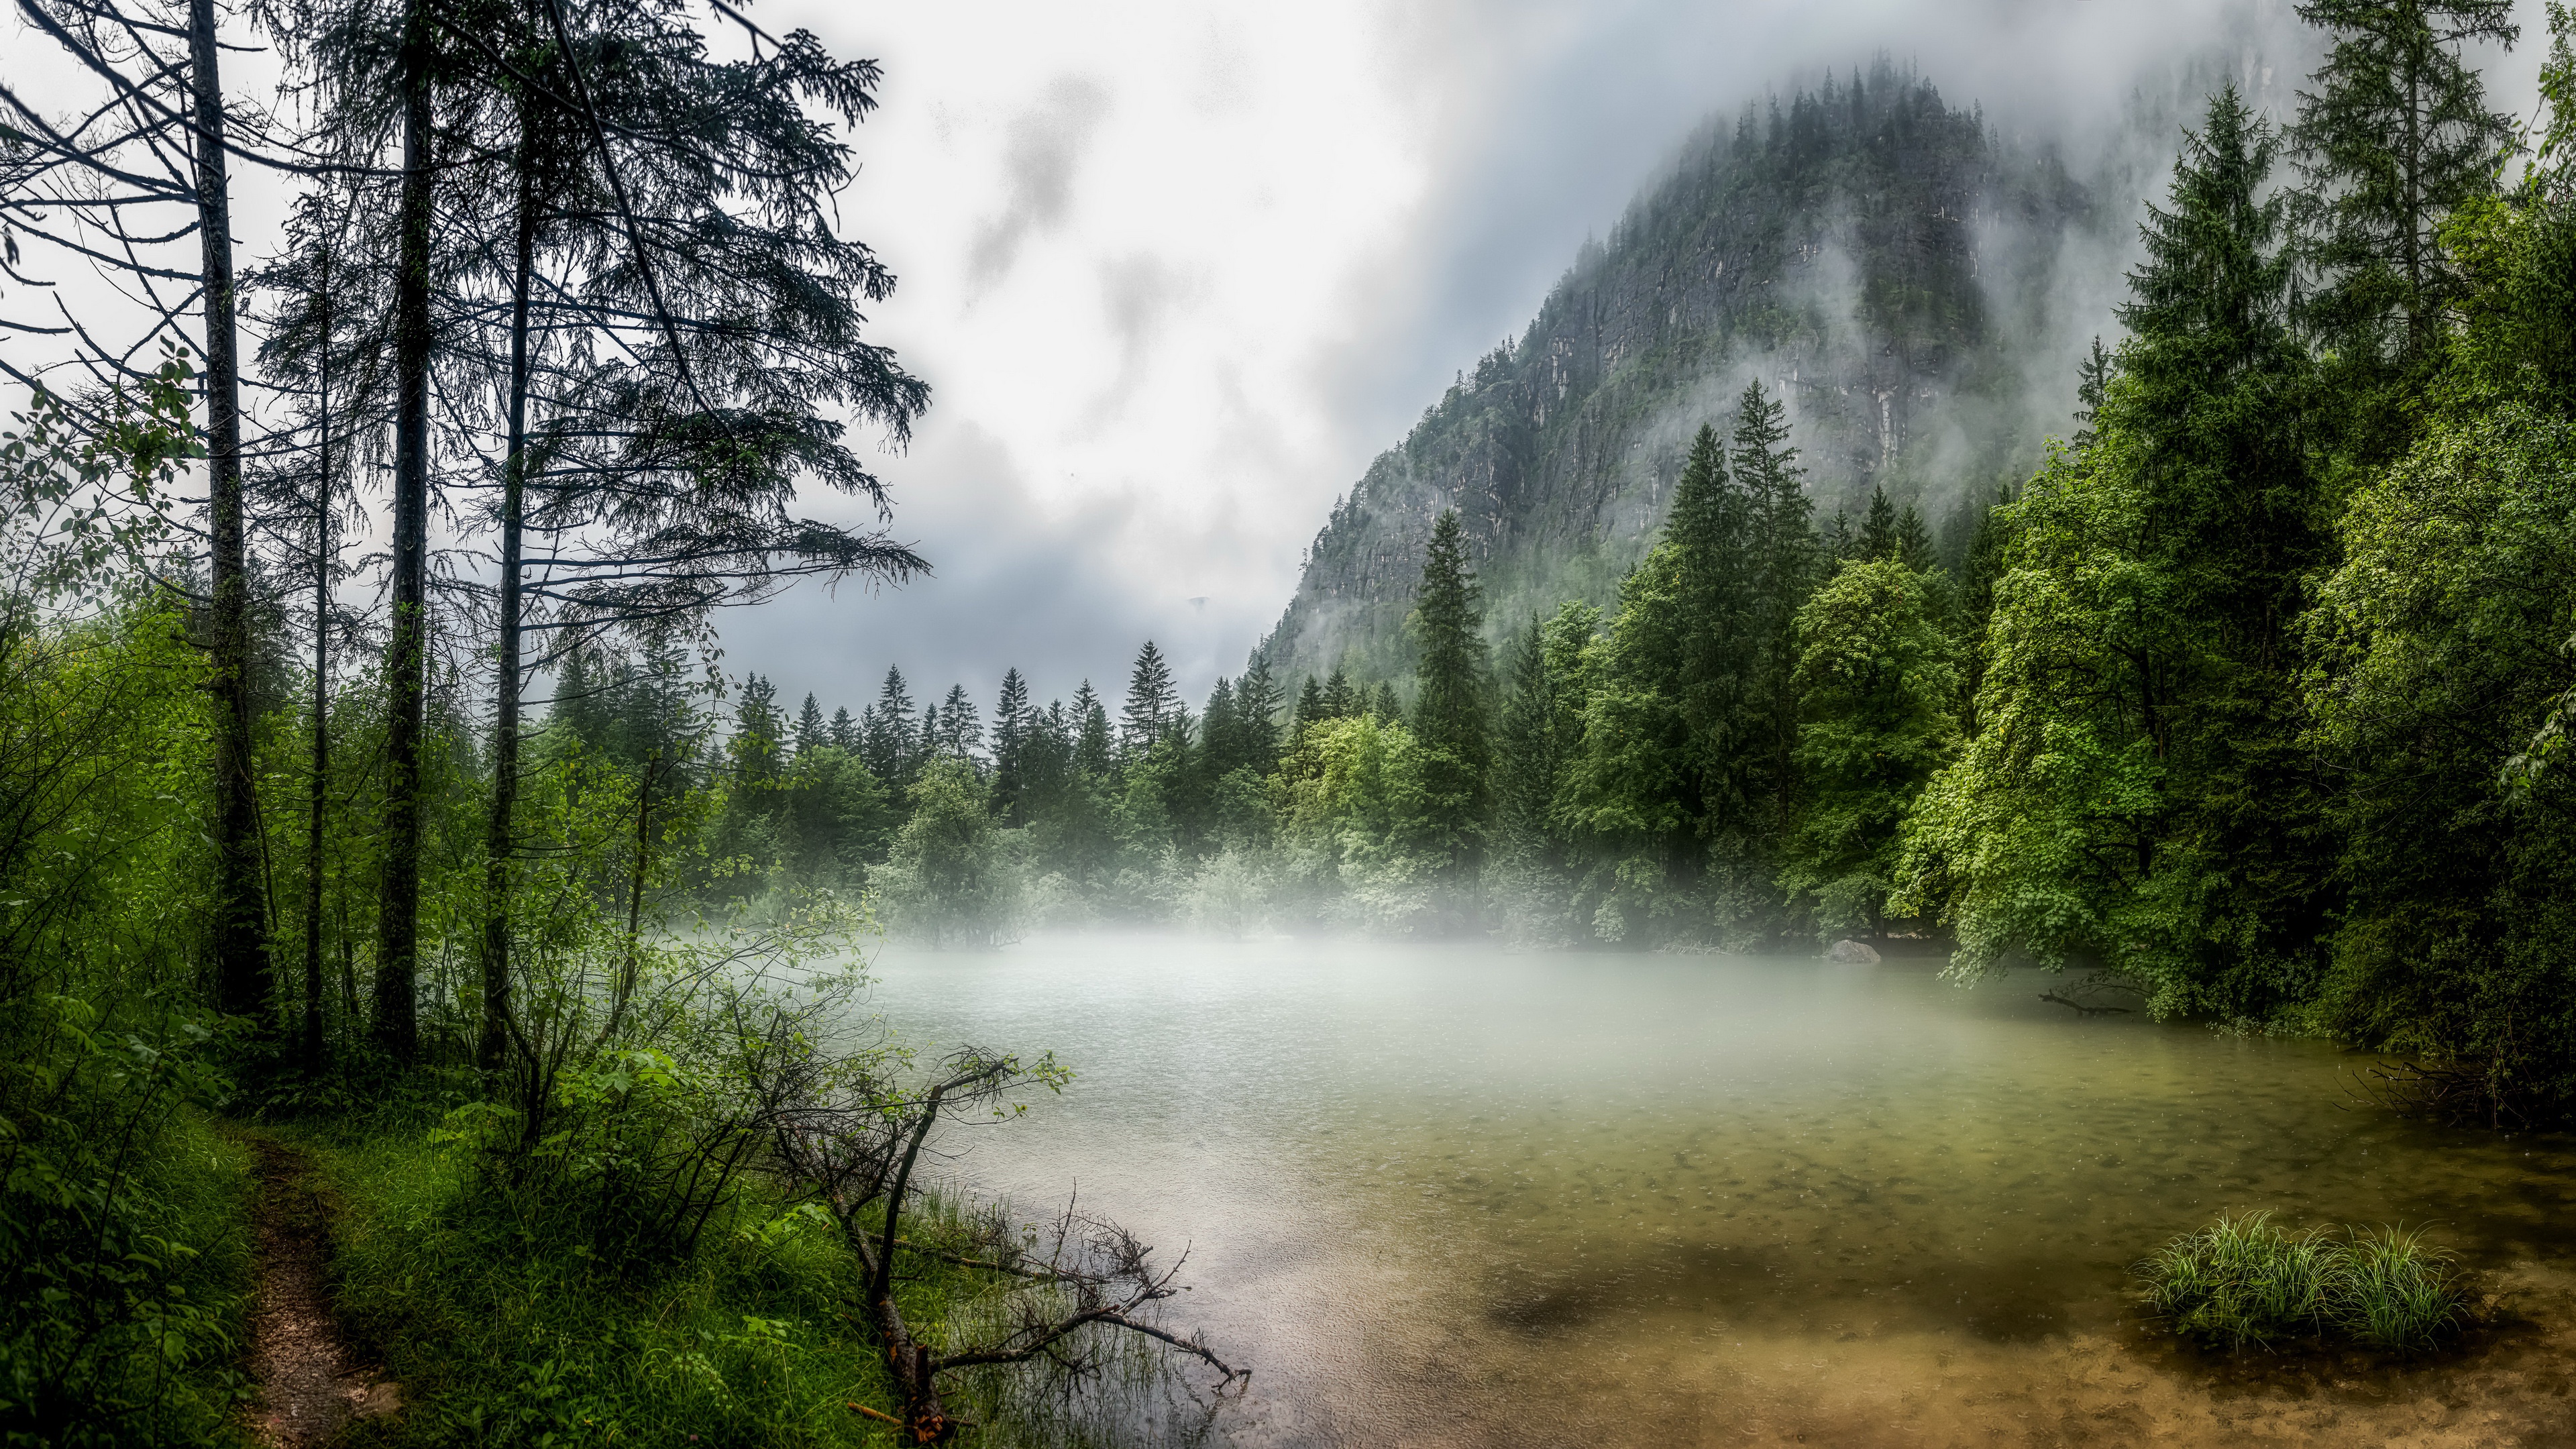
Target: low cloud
[(1045, 149)]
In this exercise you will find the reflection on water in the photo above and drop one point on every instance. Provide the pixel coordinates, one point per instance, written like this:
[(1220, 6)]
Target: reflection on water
[(1448, 1195)]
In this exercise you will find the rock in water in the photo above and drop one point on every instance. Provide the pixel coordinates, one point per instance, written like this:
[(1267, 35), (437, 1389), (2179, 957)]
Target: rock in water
[(1851, 953)]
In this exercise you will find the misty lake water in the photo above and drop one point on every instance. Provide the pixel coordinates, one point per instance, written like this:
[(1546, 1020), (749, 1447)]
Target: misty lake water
[(1448, 1195)]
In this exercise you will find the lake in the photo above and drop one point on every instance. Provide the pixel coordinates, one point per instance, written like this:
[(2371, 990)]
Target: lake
[(1449, 1195)]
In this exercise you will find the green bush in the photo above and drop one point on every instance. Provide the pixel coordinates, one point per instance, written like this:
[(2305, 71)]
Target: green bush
[(2244, 1280)]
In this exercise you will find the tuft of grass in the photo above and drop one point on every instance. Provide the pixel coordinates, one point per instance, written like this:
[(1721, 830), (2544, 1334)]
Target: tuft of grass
[(2400, 1292), (2244, 1280)]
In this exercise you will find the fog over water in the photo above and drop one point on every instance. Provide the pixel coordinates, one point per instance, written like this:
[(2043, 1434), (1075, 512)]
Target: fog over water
[(1446, 1195)]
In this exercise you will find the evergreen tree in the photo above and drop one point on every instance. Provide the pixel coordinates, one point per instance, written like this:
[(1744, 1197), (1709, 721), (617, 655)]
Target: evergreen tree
[(2092, 374), (810, 731), (960, 734), (1914, 541), (1529, 752), (1878, 536), (1784, 560), (757, 731), (1220, 733), (1256, 709), (1013, 722), (1311, 709), (1151, 702), (1340, 701), (1093, 753), (888, 735), (1450, 707), (844, 732), (2395, 137)]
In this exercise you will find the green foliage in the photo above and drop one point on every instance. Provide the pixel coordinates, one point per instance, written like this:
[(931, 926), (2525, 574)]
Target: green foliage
[(2440, 651), (1876, 687), (1450, 717), (948, 879), (2135, 792), (2395, 136), (2243, 1280)]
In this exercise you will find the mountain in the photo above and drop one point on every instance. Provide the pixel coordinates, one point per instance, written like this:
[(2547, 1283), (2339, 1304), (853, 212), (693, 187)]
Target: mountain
[(1910, 282)]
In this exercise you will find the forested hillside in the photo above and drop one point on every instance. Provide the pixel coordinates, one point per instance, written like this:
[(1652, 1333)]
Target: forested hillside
[(1884, 261)]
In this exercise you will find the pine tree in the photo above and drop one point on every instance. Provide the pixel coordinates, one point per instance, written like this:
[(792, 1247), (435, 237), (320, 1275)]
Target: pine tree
[(888, 732), (1450, 711), (1528, 760), (2092, 373), (1878, 536), (1339, 701), (1311, 709), (2395, 138), (1151, 700), (1914, 541), (1013, 722), (1256, 707), (1384, 703), (1785, 559), (757, 728), (810, 734), (1093, 753), (844, 733), (960, 735), (1220, 734)]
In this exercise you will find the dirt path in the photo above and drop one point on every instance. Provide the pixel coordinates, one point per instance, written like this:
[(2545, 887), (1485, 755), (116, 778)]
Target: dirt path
[(310, 1381)]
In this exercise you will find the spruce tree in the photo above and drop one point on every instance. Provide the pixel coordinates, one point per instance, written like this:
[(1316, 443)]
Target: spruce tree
[(1256, 708), (1220, 734), (2395, 137), (1311, 709), (1093, 753), (1878, 536), (757, 731), (810, 730), (1151, 701), (1384, 703), (961, 728), (1013, 722), (1914, 541), (1449, 715), (844, 732), (1339, 702), (887, 732), (1785, 558), (2092, 373), (1528, 762)]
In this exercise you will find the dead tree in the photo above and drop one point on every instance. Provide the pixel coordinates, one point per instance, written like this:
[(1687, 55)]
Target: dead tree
[(851, 1140)]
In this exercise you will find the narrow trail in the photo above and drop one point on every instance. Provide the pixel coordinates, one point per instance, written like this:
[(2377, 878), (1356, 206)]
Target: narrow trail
[(311, 1381)]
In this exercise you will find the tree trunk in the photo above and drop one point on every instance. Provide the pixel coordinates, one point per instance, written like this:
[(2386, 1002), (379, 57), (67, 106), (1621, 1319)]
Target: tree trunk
[(321, 762), (397, 1026), (242, 971), (500, 839)]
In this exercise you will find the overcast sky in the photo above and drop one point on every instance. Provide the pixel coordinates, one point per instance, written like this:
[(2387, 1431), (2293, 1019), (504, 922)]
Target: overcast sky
[(1177, 269)]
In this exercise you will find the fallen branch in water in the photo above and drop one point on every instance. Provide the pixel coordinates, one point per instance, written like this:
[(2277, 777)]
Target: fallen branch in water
[(849, 1139), (2081, 1009)]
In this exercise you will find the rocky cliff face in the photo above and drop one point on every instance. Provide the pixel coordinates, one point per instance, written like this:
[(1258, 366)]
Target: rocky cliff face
[(1886, 265)]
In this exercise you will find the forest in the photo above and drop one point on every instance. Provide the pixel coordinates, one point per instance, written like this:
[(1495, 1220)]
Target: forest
[(490, 914)]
